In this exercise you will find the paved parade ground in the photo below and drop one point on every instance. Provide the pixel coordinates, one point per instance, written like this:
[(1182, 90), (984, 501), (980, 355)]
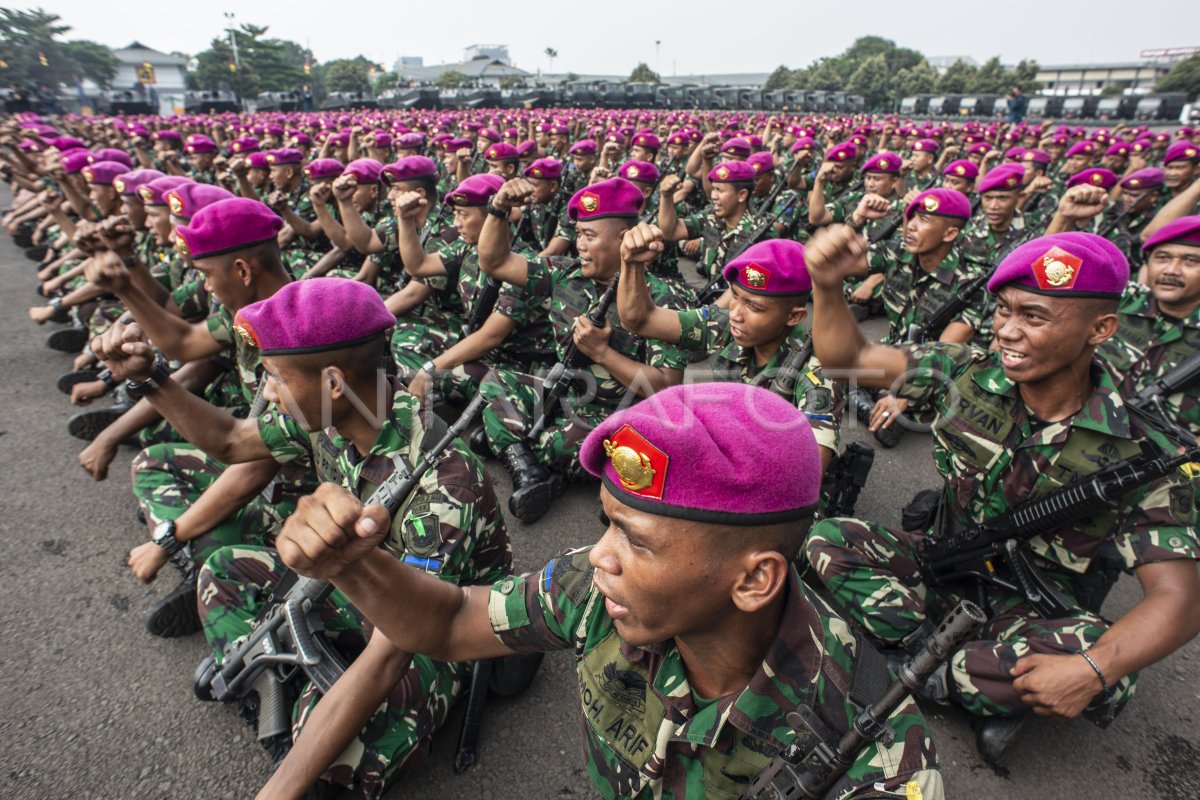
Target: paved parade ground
[(93, 707)]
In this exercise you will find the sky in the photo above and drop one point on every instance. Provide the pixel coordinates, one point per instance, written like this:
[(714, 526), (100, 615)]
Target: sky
[(612, 36)]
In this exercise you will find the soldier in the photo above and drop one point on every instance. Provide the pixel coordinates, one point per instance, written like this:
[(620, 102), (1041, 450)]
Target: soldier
[(758, 332), (201, 152), (921, 162), (621, 362), (324, 344), (1040, 195), (727, 226), (685, 677), (583, 160), (834, 180), (960, 176), (1123, 221), (289, 199), (1160, 322), (1001, 227), (1033, 414), (501, 159), (539, 223), (1179, 166)]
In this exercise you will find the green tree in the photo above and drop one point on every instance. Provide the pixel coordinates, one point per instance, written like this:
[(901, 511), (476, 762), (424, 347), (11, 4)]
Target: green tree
[(29, 41), (643, 74), (347, 75), (957, 79), (384, 81), (551, 54), (267, 64), (451, 79), (990, 79), (1112, 89), (571, 76), (920, 79), (781, 78), (1025, 76), (1183, 77), (826, 75), (871, 80)]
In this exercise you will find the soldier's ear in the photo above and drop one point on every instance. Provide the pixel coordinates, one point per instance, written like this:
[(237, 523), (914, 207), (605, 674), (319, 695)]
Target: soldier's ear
[(762, 576)]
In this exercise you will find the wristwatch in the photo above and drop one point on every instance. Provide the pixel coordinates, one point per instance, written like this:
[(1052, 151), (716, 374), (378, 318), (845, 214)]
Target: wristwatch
[(158, 376), (429, 368), (164, 537), (105, 376), (55, 303), (500, 213)]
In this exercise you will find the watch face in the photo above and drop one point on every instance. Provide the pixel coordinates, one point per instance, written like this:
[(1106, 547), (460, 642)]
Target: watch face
[(164, 529)]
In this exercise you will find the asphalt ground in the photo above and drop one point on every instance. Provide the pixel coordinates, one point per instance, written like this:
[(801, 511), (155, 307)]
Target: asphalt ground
[(93, 707)]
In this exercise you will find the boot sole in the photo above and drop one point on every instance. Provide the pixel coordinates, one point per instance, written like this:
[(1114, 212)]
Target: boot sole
[(68, 340), (87, 425), (68, 381), (531, 503), (174, 616)]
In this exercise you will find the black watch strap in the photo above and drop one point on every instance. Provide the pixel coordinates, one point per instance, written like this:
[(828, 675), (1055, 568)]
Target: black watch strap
[(497, 212), (139, 389)]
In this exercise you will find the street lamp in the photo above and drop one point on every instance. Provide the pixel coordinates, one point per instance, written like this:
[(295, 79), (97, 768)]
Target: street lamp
[(237, 62)]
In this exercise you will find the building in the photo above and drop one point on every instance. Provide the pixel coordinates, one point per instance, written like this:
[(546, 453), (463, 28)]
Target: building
[(1133, 77), (482, 64), (145, 74)]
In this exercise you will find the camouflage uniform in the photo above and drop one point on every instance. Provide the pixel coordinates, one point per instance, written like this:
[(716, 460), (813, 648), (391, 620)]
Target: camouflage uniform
[(169, 478), (438, 323), (913, 181), (982, 245), (1149, 344), (1041, 207), (1126, 231), (716, 239), (451, 527), (883, 246), (911, 295), (647, 734), (706, 330), (993, 454), (299, 256), (515, 398)]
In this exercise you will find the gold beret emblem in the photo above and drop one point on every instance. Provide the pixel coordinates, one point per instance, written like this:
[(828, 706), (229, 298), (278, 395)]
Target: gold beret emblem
[(1011, 182), (181, 245), (119, 185), (536, 172), (918, 146), (641, 140), (722, 172), (1190, 152), (245, 335), (754, 278), (960, 170), (175, 203), (631, 172), (1135, 184), (840, 155), (270, 158), (190, 148), (589, 202), (930, 204), (458, 199), (1097, 179), (633, 468), (491, 153), (237, 147), (1057, 273), (146, 193), (88, 175), (883, 163)]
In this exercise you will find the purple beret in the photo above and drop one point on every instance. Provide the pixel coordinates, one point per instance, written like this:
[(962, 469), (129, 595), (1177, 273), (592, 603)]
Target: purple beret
[(527, 148), (615, 136), (550, 169), (647, 140), (883, 162), (1014, 153), (639, 171), (274, 130), (678, 137), (314, 316), (846, 151), (381, 140), (410, 141), (962, 169), (1145, 178), (803, 143), (1181, 151), (1104, 178), (1084, 148), (774, 267), (74, 160), (128, 183), (102, 172), (737, 146), (584, 147), (732, 172), (980, 148), (364, 170), (501, 151), (1035, 156), (258, 160), (64, 143), (1118, 149), (188, 198), (458, 144), (111, 154), (320, 169), (244, 144), (475, 191), (340, 140), (560, 130), (491, 134), (284, 155), (1074, 264), (154, 193), (227, 226), (615, 197), (409, 168), (199, 143), (1185, 230), (701, 452), (762, 163), (29, 146), (1004, 177), (941, 203), (167, 134), (926, 146)]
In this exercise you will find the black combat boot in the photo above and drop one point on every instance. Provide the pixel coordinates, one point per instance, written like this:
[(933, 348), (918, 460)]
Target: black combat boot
[(478, 442), (68, 340), (176, 614), (994, 735), (534, 486), (87, 425), (863, 402)]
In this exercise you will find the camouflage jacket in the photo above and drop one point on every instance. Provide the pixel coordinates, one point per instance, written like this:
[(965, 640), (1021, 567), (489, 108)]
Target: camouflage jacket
[(706, 330), (992, 453), (1149, 344), (843, 208), (451, 526), (911, 295), (716, 240), (647, 734), (391, 268), (1125, 231), (539, 224), (302, 207), (982, 245), (914, 182), (570, 295), (1040, 209)]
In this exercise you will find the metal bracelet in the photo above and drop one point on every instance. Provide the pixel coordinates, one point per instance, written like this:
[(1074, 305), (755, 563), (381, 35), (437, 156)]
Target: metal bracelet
[(1099, 674)]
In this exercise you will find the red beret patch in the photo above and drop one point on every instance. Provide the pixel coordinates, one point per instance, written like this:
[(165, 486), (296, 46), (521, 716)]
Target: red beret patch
[(1057, 269), (589, 202), (640, 466), (756, 277)]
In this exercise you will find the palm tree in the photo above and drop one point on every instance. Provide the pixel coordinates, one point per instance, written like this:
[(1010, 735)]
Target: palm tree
[(551, 54)]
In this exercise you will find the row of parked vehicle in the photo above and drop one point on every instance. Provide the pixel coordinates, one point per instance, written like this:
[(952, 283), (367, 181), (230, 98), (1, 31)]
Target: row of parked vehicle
[(1150, 107)]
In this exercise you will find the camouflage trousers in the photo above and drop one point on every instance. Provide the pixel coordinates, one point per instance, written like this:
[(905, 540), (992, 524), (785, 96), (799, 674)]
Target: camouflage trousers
[(107, 310), (299, 260), (238, 581), (514, 404), (169, 478), (872, 573), (419, 337), (224, 392)]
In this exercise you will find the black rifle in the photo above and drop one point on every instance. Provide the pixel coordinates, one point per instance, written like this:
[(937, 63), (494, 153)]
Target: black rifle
[(558, 381), (484, 305), (882, 233), (432, 223), (1177, 379), (974, 552), (285, 638), (710, 293), (950, 309), (818, 758)]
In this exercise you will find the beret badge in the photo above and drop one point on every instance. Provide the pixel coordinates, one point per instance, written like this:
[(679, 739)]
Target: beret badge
[(1057, 269), (246, 334), (632, 172), (1011, 182), (1097, 179), (175, 203), (723, 172), (270, 158), (884, 163), (458, 199), (119, 185), (536, 172), (930, 205), (756, 278), (181, 245), (840, 155), (1135, 184), (1190, 152), (960, 170), (146, 193), (88, 174), (589, 202), (640, 466), (237, 147)]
